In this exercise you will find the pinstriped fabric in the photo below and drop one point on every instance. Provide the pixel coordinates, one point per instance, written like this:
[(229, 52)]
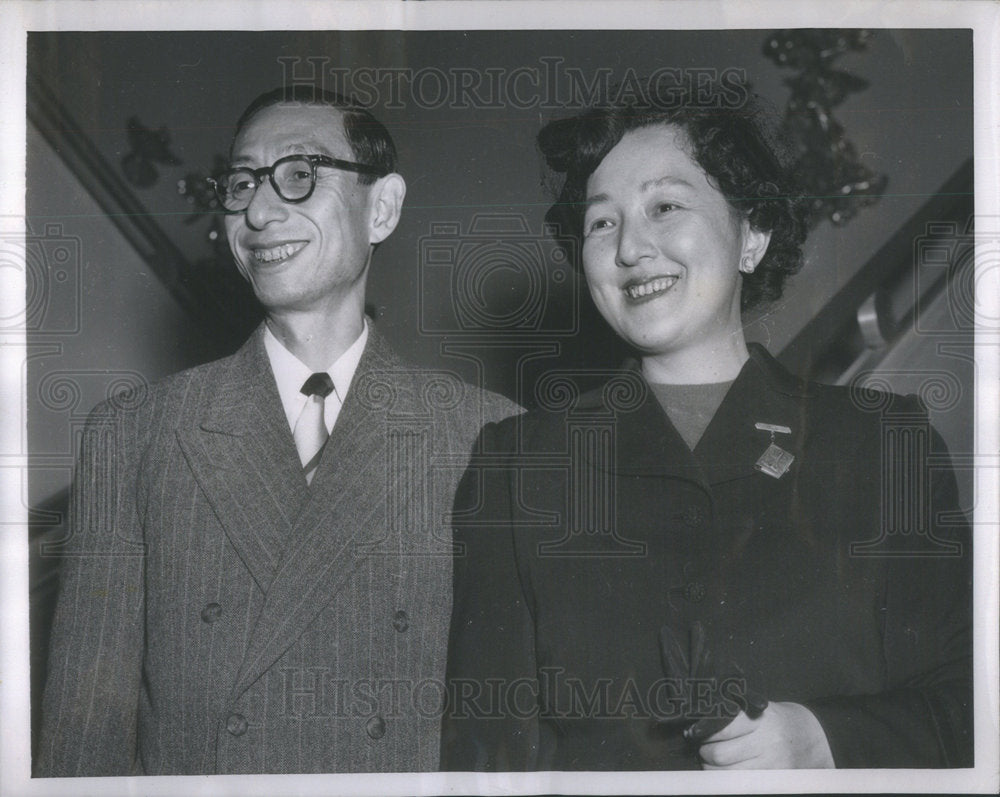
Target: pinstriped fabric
[(216, 615)]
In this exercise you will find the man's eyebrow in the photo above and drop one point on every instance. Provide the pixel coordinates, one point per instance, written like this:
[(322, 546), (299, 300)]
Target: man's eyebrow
[(307, 147)]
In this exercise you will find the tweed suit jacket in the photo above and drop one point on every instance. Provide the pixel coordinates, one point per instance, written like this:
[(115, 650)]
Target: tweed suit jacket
[(599, 538), (218, 615)]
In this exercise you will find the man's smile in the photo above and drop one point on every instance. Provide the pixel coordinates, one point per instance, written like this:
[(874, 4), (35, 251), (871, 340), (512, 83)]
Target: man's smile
[(274, 254)]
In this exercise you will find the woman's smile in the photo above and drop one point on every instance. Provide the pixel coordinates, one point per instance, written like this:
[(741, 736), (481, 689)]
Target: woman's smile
[(639, 291)]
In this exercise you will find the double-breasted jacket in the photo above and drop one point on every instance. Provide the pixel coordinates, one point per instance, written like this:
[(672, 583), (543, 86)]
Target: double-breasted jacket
[(218, 615)]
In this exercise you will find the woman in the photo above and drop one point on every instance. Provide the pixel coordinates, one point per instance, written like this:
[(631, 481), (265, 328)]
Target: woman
[(693, 566)]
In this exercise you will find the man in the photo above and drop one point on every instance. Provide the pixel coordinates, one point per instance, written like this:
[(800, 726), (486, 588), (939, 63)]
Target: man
[(242, 594)]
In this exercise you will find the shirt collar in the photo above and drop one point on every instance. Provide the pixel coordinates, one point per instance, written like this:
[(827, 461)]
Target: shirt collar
[(290, 372)]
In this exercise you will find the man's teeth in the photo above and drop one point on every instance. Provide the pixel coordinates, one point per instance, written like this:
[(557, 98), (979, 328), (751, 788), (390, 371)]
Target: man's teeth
[(276, 252), (653, 286)]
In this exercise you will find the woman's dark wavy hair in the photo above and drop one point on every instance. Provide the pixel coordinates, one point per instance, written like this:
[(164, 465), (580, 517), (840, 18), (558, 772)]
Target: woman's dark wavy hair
[(370, 142), (730, 144)]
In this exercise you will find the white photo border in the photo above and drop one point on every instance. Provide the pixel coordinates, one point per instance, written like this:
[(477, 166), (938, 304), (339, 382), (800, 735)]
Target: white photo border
[(17, 18)]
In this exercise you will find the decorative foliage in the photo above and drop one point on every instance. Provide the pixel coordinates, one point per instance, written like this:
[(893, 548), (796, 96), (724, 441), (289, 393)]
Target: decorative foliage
[(149, 147), (827, 163), (213, 275), (216, 271), (196, 191), (198, 194)]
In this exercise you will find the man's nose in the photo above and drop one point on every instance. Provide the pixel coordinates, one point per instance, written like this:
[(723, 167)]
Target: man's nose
[(265, 206)]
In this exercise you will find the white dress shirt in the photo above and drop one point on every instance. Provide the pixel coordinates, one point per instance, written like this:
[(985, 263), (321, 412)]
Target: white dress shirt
[(291, 373)]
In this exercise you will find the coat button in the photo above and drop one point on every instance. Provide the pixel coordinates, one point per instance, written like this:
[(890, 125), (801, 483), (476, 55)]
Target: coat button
[(400, 621), (375, 727), (693, 516), (236, 724), (694, 592), (211, 613)]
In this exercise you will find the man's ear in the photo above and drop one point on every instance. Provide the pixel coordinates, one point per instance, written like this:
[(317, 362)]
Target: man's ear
[(386, 197)]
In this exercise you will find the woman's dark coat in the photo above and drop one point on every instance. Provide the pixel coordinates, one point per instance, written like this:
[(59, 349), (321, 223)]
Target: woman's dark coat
[(611, 587)]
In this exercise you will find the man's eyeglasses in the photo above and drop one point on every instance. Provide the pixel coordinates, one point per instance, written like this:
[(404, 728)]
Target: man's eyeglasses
[(293, 179)]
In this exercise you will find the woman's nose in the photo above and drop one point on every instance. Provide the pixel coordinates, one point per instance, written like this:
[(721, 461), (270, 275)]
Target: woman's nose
[(634, 243)]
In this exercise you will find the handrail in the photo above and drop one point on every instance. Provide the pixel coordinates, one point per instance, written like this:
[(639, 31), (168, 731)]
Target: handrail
[(856, 318)]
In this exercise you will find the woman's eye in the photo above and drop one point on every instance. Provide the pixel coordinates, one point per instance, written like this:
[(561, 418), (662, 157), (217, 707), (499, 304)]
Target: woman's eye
[(665, 207), (598, 224)]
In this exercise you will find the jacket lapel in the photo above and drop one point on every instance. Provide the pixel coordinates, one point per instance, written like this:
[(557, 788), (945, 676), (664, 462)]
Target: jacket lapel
[(647, 444), (345, 508), (645, 441), (243, 457)]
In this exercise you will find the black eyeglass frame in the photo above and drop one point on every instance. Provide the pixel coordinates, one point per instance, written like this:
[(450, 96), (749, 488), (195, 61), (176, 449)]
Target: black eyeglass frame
[(268, 172)]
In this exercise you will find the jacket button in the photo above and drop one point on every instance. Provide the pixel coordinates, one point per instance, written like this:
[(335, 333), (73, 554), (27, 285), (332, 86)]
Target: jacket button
[(375, 727), (236, 724), (693, 516), (694, 592), (400, 622), (211, 613)]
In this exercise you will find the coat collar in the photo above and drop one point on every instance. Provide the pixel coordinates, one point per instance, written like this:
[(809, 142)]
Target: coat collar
[(775, 376), (648, 445), (245, 386)]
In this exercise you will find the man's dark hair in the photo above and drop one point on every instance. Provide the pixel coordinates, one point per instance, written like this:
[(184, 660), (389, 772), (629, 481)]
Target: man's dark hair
[(730, 144), (370, 142)]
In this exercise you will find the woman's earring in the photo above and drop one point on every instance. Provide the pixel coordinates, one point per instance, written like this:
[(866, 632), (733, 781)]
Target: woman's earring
[(747, 265)]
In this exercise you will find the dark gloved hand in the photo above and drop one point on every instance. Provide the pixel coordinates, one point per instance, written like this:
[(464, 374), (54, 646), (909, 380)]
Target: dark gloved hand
[(710, 695)]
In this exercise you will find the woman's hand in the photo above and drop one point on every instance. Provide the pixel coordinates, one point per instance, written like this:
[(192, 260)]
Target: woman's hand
[(785, 736)]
